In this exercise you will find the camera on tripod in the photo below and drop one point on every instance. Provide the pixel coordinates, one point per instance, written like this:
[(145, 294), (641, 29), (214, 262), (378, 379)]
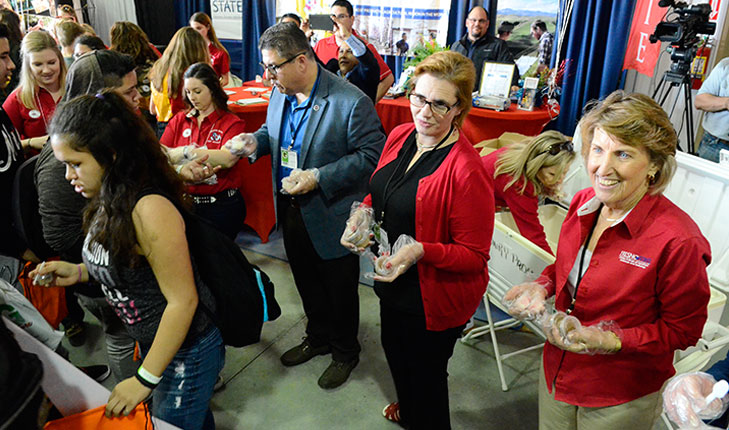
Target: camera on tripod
[(682, 32)]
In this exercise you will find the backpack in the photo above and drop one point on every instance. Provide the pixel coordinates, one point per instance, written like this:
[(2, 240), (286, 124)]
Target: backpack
[(244, 294)]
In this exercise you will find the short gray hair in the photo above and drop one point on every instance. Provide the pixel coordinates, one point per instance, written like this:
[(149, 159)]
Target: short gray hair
[(286, 39)]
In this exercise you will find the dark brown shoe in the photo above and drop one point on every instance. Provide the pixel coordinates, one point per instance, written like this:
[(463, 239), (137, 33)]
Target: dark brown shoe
[(302, 353), (337, 373)]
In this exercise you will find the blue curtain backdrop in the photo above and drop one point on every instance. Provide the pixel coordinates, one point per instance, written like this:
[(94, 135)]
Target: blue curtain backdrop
[(595, 43), (258, 15), (185, 8)]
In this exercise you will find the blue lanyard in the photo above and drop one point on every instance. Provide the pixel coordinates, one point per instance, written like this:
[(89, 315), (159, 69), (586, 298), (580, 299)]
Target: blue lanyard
[(295, 130)]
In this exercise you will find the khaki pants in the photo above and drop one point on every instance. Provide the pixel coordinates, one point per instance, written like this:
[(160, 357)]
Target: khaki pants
[(638, 414)]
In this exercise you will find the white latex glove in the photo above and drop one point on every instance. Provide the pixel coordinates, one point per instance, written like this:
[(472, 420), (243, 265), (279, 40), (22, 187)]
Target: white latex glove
[(567, 332), (684, 400), (301, 181), (405, 252), (357, 236), (526, 301), (242, 145)]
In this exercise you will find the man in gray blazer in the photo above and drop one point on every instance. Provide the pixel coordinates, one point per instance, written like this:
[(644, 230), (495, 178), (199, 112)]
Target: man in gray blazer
[(324, 138)]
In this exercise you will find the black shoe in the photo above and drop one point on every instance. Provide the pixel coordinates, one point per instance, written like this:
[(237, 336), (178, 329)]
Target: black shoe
[(76, 333), (97, 372), (302, 353), (337, 373)]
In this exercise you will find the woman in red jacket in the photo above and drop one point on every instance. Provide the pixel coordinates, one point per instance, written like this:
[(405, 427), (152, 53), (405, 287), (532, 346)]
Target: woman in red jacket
[(629, 280), (430, 186), (526, 171), (219, 57), (201, 131), (42, 79)]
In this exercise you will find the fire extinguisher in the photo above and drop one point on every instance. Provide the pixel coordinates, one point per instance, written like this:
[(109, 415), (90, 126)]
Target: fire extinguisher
[(698, 66)]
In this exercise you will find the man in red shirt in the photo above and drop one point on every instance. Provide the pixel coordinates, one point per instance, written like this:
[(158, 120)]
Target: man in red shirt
[(328, 48)]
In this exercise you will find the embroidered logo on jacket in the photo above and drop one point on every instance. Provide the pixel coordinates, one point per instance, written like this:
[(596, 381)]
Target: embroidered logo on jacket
[(634, 259)]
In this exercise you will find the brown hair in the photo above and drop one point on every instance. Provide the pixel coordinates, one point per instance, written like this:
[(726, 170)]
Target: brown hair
[(128, 38), (204, 19), (67, 32), (638, 121), (454, 68), (186, 48), (37, 41)]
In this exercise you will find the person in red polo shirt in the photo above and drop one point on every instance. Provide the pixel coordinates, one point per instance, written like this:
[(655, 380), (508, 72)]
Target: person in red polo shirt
[(42, 77), (219, 57), (202, 131), (629, 280), (328, 48)]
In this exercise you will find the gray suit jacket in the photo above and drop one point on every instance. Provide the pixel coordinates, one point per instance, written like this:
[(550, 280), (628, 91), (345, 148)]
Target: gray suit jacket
[(343, 139)]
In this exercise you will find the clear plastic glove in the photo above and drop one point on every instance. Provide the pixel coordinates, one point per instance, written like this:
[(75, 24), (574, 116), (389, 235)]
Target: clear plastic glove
[(685, 400), (358, 235), (300, 181), (242, 145), (197, 170), (526, 301), (567, 332), (405, 253), (181, 154)]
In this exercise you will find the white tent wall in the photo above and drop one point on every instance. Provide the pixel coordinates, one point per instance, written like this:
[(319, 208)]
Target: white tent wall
[(104, 13)]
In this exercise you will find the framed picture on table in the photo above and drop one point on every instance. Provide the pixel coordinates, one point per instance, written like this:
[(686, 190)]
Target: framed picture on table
[(496, 79)]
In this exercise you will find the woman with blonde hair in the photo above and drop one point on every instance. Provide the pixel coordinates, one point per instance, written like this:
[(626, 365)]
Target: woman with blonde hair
[(186, 48), (523, 173), (219, 57), (42, 82)]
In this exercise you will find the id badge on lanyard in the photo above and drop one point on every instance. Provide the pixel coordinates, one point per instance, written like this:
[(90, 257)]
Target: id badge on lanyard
[(289, 158)]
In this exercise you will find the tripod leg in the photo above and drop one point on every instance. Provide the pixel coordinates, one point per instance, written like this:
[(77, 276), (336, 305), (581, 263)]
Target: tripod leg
[(689, 111)]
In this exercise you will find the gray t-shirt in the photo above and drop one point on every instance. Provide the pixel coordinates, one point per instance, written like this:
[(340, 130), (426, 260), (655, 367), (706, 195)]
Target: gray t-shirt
[(135, 296), (717, 84)]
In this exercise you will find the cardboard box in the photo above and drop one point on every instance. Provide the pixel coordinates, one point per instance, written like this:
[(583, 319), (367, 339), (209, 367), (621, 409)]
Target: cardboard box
[(490, 145)]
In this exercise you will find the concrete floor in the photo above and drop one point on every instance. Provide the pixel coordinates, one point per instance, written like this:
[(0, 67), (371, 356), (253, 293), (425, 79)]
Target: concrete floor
[(263, 394)]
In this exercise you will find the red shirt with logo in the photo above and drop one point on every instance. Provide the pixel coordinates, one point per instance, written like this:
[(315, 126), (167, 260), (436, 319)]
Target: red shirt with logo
[(30, 122), (219, 59), (648, 274), (216, 129), (327, 48)]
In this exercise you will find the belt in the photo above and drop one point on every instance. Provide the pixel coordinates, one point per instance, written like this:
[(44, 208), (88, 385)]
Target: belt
[(223, 195)]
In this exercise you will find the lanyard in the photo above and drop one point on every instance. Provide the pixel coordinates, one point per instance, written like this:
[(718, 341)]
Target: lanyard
[(40, 108), (582, 261), (295, 130), (386, 197)]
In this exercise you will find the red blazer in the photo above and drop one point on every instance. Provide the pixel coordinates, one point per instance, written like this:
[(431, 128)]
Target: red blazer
[(648, 274), (454, 220), (524, 207)]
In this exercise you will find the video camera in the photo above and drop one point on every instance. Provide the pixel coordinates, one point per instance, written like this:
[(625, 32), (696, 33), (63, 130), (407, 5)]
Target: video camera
[(691, 21), (682, 32)]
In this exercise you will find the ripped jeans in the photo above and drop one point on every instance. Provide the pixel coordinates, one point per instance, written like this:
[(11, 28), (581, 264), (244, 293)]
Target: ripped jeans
[(182, 398)]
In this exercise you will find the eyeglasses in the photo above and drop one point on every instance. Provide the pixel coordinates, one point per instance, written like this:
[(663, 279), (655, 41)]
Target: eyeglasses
[(480, 21), (555, 148), (273, 69), (437, 107), (340, 16)]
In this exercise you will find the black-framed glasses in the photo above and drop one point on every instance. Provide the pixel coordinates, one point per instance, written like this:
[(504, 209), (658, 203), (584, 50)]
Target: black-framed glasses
[(437, 107), (273, 69), (555, 148)]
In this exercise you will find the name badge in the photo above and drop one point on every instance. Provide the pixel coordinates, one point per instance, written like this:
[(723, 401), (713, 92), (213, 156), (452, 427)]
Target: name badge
[(289, 158), (34, 114), (186, 132)]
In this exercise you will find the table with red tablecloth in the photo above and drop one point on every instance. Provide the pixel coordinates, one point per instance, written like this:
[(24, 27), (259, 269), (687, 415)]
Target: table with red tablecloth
[(256, 186), (480, 124)]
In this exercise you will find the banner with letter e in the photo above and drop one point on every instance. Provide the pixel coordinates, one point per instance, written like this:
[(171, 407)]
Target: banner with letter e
[(642, 55), (227, 16)]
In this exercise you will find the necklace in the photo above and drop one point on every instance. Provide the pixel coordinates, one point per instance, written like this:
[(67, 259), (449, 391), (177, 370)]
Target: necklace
[(422, 147), (609, 219)]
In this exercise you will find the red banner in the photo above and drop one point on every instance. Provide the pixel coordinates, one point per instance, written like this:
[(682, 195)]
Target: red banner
[(641, 54)]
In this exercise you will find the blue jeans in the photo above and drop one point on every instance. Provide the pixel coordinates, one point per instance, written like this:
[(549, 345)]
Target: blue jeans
[(710, 146), (182, 398)]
